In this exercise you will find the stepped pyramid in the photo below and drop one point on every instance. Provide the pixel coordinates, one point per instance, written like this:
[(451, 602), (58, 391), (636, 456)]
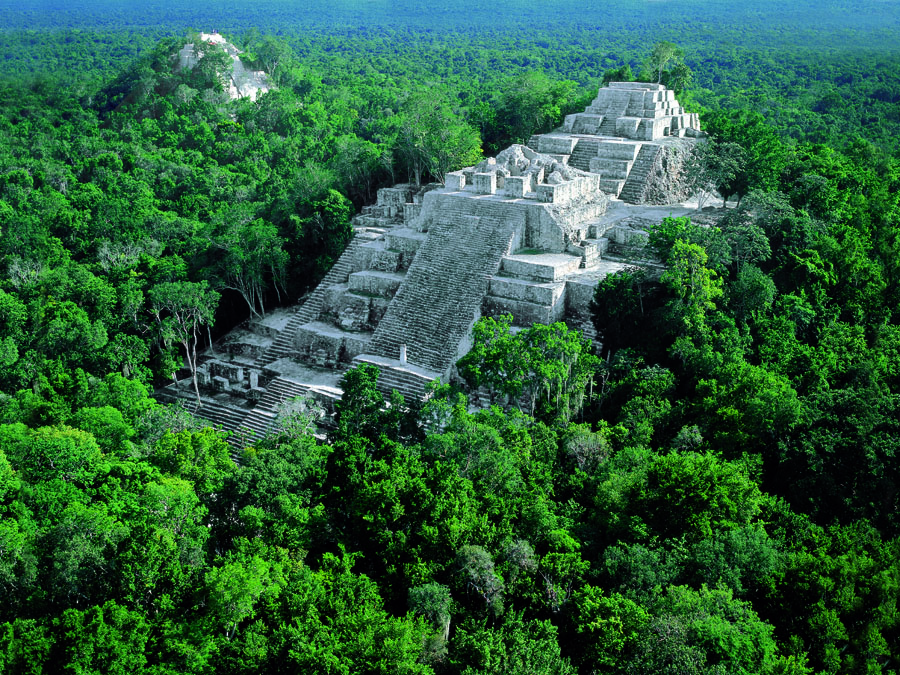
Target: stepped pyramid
[(634, 135), (527, 233)]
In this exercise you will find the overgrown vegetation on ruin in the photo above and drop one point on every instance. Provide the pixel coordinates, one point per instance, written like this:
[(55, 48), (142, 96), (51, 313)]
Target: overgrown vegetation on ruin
[(716, 492)]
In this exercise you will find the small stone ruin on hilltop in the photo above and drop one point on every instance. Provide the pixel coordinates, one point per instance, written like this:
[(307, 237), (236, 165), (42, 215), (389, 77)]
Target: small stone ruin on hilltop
[(527, 233), (241, 82)]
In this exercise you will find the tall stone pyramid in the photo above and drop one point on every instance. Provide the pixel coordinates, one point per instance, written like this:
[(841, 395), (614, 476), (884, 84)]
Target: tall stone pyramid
[(527, 233), (635, 136)]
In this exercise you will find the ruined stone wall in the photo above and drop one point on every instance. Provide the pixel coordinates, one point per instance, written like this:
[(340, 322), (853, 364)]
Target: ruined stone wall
[(666, 180)]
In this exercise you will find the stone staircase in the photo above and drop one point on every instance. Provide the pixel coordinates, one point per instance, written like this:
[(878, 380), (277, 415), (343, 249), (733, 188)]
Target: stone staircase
[(309, 310), (226, 417), (611, 160), (608, 126), (613, 163), (408, 380), (444, 287), (259, 422), (632, 191), (584, 151), (262, 417)]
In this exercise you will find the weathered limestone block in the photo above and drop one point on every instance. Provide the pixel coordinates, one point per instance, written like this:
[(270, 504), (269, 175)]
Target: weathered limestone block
[(561, 192), (548, 194), (524, 313), (233, 373), (238, 348), (627, 236), (588, 251), (611, 168), (386, 261), (587, 123), (556, 145), (353, 312), (355, 344), (600, 244), (320, 344), (404, 240), (542, 267), (515, 186), (377, 308), (411, 212), (628, 127), (265, 327), (364, 220), (485, 183), (542, 293), (371, 282), (395, 197), (616, 149), (455, 181), (220, 383), (331, 302), (555, 178)]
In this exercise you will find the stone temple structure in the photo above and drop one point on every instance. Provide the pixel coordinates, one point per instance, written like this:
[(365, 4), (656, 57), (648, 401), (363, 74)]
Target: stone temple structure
[(240, 82), (528, 233)]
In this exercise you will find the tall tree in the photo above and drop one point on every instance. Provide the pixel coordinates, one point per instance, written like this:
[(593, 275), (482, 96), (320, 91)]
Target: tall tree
[(181, 308), (432, 138), (663, 53), (252, 253)]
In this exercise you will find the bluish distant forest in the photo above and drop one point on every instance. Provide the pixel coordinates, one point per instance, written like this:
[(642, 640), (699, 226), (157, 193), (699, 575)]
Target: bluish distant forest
[(714, 490)]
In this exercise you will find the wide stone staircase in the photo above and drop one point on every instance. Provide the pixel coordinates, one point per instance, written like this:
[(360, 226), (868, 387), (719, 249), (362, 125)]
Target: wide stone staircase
[(407, 379), (261, 419), (227, 417), (444, 287), (608, 126)]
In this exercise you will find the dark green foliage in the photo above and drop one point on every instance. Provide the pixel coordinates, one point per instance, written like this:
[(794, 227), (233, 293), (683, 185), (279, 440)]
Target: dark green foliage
[(727, 501)]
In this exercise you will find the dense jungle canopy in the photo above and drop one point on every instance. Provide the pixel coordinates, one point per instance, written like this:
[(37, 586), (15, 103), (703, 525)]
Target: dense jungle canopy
[(717, 490)]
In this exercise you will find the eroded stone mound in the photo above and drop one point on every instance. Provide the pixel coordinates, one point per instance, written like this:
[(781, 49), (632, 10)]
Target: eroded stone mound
[(241, 82)]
